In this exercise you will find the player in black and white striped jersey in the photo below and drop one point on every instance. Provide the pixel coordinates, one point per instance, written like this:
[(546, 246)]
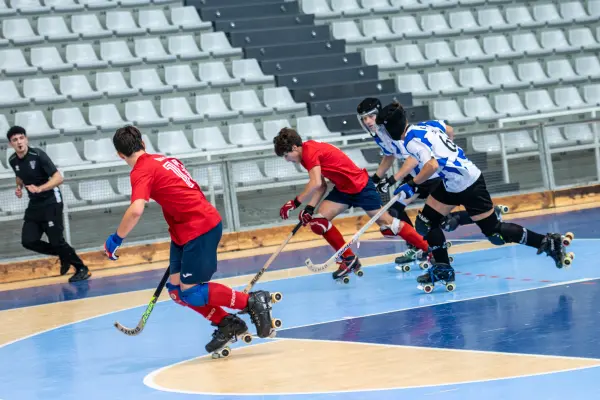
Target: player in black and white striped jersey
[(36, 172)]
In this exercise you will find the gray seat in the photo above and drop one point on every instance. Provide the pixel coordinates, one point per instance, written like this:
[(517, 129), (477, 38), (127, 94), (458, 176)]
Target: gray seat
[(187, 19), (64, 154), (71, 121), (113, 84), (217, 44), (250, 72), (534, 73), (471, 50), (464, 21), (178, 109), (569, 98), (117, 53), (272, 127), (320, 8), (450, 110), (216, 74), (12, 62), (499, 46), (313, 127), (574, 11), (101, 150), (510, 104), (348, 31), (98, 191), (413, 83), (151, 50), (582, 38), (77, 87), (41, 91), (378, 6), (591, 94), (54, 28), (587, 66), (280, 100), (48, 60), (143, 113), (212, 107), (182, 77), (443, 82), (279, 169), (83, 56), (105, 116), (245, 134), (88, 26), (492, 18), (210, 138), (184, 47), (547, 14), (527, 43), (20, 32), (540, 101), (480, 109), (378, 29), (122, 23), (380, 56), (556, 41), (148, 82), (440, 51), (580, 133), (35, 124), (475, 79), (248, 103), (562, 71), (349, 8), (407, 26), (410, 54), (10, 96), (155, 21), (435, 23), (520, 16), (173, 142)]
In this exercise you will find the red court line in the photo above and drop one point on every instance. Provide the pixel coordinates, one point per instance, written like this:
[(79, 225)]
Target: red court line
[(509, 277)]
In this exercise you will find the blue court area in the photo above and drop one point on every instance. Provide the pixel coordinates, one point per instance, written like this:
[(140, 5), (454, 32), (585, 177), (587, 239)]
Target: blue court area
[(508, 301)]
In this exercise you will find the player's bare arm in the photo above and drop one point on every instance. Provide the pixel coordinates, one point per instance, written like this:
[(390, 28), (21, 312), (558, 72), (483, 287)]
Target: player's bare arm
[(55, 180), (429, 169), (385, 165), (131, 217), (19, 188), (407, 166), (314, 185), (318, 194)]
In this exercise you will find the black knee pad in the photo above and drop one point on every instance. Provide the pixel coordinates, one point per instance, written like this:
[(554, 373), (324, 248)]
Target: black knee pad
[(499, 233), (427, 220)]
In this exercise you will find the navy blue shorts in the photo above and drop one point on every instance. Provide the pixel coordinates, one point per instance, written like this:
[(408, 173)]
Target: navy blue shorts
[(197, 259), (368, 199)]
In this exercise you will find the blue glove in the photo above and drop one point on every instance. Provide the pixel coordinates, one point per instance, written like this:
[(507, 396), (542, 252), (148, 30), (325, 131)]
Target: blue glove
[(406, 191), (111, 246)]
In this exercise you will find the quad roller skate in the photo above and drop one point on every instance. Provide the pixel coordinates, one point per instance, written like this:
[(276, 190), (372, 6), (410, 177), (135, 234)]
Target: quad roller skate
[(554, 245), (259, 308), (430, 261), (437, 273), (229, 330), (412, 255), (347, 265)]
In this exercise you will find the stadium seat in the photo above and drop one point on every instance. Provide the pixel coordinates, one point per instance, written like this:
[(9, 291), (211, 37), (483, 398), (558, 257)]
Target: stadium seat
[(581, 133), (244, 134), (64, 154), (217, 44), (69, 196), (313, 127), (71, 121), (377, 28), (117, 53), (48, 60), (527, 43), (410, 54), (83, 56), (41, 91), (510, 104), (208, 176), (407, 26), (474, 78), (436, 24), (583, 38), (13, 62), (216, 74), (533, 72), (278, 168), (359, 159), (449, 110), (470, 49), (539, 100), (148, 82), (122, 23), (54, 28), (464, 21), (142, 113), (173, 143), (10, 96), (20, 32), (443, 82), (35, 124), (412, 83), (4, 127), (182, 77), (249, 72), (562, 71), (280, 100), (212, 106), (9, 203), (591, 94), (546, 14), (441, 52), (106, 116), (569, 98), (381, 57), (186, 18), (68, 6), (587, 66), (555, 41), (520, 16), (77, 87), (178, 110), (553, 137), (491, 18), (320, 8), (113, 84), (184, 47), (101, 150), (210, 138), (124, 185), (348, 31), (349, 8), (247, 173), (272, 127), (151, 50), (248, 103), (504, 75), (88, 26), (98, 191), (155, 21), (378, 6), (499, 47)]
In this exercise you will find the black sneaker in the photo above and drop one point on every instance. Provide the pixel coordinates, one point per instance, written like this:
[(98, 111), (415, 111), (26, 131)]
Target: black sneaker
[(81, 274), (64, 267)]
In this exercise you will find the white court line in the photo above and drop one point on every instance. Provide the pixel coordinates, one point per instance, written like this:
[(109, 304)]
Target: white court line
[(149, 379)]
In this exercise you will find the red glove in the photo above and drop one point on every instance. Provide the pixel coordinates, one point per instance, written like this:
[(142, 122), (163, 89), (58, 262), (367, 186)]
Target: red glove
[(306, 215), (284, 212)]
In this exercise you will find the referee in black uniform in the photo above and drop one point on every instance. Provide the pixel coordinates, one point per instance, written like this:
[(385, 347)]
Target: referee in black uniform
[(44, 214)]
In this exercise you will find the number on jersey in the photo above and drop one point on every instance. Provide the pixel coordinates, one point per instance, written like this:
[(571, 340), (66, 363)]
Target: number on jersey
[(179, 170)]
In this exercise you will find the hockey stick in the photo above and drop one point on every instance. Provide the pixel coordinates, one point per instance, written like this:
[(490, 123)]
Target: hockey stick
[(270, 260), (140, 326), (357, 235)]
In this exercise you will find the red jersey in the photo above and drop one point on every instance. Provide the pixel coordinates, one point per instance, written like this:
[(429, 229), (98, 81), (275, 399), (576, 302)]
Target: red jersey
[(166, 181), (335, 166)]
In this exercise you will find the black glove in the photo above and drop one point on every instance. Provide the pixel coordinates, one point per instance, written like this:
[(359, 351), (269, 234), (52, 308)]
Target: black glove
[(375, 178), (384, 185)]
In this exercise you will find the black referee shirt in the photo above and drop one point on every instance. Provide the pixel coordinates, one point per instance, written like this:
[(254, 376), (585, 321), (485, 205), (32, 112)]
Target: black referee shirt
[(36, 168)]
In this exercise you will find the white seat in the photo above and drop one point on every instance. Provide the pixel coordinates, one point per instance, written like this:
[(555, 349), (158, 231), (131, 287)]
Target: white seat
[(357, 156), (470, 49), (54, 28), (499, 46), (48, 60), (491, 18), (555, 40), (520, 16), (377, 28), (562, 71), (25, 7), (443, 82), (244, 134), (349, 8), (412, 83), (186, 18), (122, 23), (593, 7), (378, 6), (124, 185), (10, 96), (12, 61), (247, 173), (4, 127), (71, 121), (69, 196), (98, 191), (407, 26), (486, 144), (410, 54), (278, 168), (480, 108), (435, 23), (510, 104), (582, 38), (64, 154), (553, 137), (148, 82), (208, 176), (182, 77), (173, 142), (142, 113), (588, 66), (88, 26), (534, 73), (581, 133), (100, 4), (539, 100), (83, 56), (9, 203), (216, 74), (217, 44), (319, 8), (35, 123), (280, 100), (64, 5), (151, 50), (591, 94), (464, 21), (313, 126), (569, 98), (380, 56), (519, 141), (440, 51), (449, 110), (546, 13), (112, 83), (526, 43), (474, 78), (41, 91), (77, 87), (249, 71), (178, 109), (504, 75), (272, 127), (210, 138), (212, 106), (106, 116), (155, 21), (348, 31), (116, 52), (101, 150), (19, 31), (573, 11), (248, 103), (185, 47)]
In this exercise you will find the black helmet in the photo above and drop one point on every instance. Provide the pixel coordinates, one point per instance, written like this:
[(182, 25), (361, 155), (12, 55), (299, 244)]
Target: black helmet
[(370, 105), (393, 117)]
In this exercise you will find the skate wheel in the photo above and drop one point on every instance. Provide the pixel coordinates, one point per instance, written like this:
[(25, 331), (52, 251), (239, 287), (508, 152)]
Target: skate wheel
[(567, 238), (346, 280), (448, 245), (568, 259), (224, 353), (428, 288), (451, 259), (406, 268), (247, 338), (450, 287), (359, 273), (424, 265), (276, 323), (504, 209), (276, 297)]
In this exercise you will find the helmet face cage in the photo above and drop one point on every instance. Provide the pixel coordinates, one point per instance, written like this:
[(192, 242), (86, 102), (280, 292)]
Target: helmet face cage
[(371, 131), (369, 106)]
